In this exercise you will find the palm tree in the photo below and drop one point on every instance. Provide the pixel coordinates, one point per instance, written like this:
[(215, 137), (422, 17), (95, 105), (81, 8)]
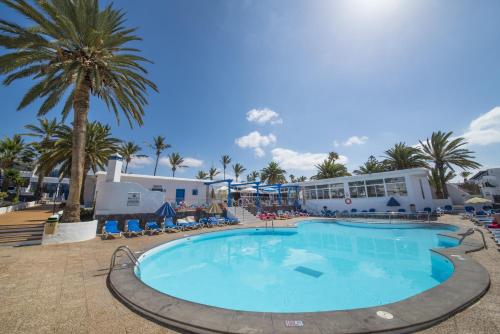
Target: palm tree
[(99, 146), (435, 182), (201, 175), (372, 165), (14, 153), (212, 172), (402, 156), (44, 131), (253, 176), (13, 176), (129, 151), (176, 161), (159, 145), (301, 179), (292, 178), (75, 49), (445, 153), (238, 169), (225, 161), (329, 168), (273, 173), (465, 174)]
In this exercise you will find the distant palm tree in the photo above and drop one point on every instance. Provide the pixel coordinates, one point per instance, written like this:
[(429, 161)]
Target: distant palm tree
[(238, 169), (292, 178), (176, 161), (402, 156), (301, 179), (212, 172), (273, 173), (372, 165), (13, 177), (99, 146), (253, 176), (128, 151), (465, 174), (14, 153), (445, 153), (159, 145), (201, 175), (225, 161), (44, 131), (329, 168), (75, 49)]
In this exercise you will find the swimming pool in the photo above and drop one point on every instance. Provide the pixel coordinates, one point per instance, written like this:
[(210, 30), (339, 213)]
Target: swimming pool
[(317, 266)]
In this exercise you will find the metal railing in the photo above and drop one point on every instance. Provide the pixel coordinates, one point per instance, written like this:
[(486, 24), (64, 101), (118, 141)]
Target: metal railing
[(130, 255), (471, 231), (391, 216)]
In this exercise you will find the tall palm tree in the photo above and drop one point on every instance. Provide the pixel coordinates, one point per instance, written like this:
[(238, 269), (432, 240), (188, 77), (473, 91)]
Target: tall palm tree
[(202, 175), (253, 176), (372, 165), (225, 161), (128, 151), (176, 161), (159, 145), (402, 156), (465, 174), (75, 49), (329, 168), (44, 131), (238, 169), (99, 146), (273, 173), (435, 181), (212, 172), (445, 153)]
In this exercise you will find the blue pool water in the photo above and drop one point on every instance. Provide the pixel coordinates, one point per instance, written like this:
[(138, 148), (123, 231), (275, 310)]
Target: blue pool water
[(318, 266)]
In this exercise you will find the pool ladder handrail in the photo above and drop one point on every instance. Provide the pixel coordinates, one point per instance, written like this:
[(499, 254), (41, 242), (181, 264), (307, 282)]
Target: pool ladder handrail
[(130, 255), (272, 223), (471, 231)]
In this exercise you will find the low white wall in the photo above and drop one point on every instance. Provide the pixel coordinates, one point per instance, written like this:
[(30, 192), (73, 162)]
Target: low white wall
[(17, 207), (71, 232)]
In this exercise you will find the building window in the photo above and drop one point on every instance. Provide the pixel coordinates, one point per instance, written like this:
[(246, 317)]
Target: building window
[(396, 186), (195, 192), (337, 190), (323, 192), (310, 192), (375, 188), (157, 187), (357, 189)]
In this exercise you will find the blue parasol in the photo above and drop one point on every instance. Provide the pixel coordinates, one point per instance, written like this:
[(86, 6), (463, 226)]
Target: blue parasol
[(393, 202), (165, 210)]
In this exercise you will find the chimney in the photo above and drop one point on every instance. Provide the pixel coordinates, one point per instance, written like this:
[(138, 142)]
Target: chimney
[(114, 171)]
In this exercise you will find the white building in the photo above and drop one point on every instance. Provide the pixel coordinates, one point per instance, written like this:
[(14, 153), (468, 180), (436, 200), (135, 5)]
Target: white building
[(118, 193), (489, 182), (409, 187)]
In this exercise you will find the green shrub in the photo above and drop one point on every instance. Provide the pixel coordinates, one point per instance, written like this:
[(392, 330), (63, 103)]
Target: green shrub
[(86, 215), (3, 195)]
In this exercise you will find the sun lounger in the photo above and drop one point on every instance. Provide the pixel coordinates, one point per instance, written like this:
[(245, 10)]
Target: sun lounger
[(133, 228), (169, 226), (153, 227), (110, 228)]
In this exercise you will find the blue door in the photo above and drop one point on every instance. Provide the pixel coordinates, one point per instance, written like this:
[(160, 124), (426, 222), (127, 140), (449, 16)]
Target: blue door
[(180, 195)]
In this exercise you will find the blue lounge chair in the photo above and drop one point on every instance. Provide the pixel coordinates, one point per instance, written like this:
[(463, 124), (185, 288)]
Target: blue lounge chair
[(372, 210), (232, 221), (170, 226), (153, 227), (427, 209), (354, 210), (133, 228), (401, 210), (448, 209), (110, 228), (469, 209), (213, 221)]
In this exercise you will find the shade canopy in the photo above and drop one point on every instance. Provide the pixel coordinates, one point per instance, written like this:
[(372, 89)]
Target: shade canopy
[(393, 202), (214, 209), (477, 200), (165, 210), (248, 190)]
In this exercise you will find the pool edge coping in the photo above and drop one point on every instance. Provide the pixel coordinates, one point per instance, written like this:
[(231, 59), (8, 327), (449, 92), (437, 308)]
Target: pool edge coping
[(468, 283)]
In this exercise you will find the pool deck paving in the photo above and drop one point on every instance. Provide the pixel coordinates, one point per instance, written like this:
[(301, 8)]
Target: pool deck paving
[(62, 288)]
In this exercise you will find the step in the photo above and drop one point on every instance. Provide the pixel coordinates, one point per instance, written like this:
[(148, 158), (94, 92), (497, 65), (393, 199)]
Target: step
[(20, 238), (15, 230), (22, 243)]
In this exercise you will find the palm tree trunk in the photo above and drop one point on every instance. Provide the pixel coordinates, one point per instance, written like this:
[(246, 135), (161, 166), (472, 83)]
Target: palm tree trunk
[(173, 172), (82, 191), (39, 184), (443, 184), (224, 173), (156, 164), (80, 113), (126, 166)]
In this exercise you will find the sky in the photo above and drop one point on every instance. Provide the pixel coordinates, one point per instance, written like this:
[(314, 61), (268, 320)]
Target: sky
[(291, 80)]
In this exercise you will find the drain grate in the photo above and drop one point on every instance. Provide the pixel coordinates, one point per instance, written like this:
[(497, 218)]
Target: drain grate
[(309, 271)]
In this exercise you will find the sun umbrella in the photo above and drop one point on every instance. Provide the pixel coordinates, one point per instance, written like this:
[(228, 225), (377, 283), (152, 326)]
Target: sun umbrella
[(165, 210), (477, 200), (214, 209), (393, 202), (249, 190)]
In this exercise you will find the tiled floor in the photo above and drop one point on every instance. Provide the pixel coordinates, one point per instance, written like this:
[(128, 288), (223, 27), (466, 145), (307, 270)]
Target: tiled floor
[(62, 289)]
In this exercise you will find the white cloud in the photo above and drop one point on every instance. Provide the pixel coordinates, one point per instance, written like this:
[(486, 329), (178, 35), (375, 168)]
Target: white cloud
[(290, 159), (256, 141), (140, 162), (355, 140), (263, 116), (336, 143), (188, 162), (485, 129)]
